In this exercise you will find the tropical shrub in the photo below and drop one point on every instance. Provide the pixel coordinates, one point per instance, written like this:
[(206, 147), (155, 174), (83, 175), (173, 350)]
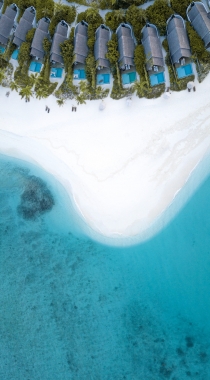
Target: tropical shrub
[(64, 13), (158, 14), (180, 7), (137, 18), (44, 9), (30, 35), (115, 18), (197, 44)]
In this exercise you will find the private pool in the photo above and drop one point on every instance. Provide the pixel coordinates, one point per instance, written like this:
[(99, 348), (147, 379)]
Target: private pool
[(128, 78), (35, 67), (156, 79), (184, 71), (79, 74), (2, 49), (56, 72), (15, 54), (103, 79)]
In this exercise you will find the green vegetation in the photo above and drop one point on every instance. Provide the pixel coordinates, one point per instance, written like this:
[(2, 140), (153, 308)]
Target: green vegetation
[(115, 18), (44, 9), (180, 7), (21, 73), (67, 90), (42, 85), (158, 14), (64, 12), (94, 20), (137, 18), (200, 56)]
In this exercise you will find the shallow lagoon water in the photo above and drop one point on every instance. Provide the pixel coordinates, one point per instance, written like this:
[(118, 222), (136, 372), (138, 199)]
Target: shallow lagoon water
[(72, 308)]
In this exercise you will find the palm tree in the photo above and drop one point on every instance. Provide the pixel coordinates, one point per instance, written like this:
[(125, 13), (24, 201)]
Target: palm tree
[(14, 86), (60, 102), (119, 14), (80, 99), (42, 92), (45, 11), (58, 6), (141, 87), (26, 92), (34, 79)]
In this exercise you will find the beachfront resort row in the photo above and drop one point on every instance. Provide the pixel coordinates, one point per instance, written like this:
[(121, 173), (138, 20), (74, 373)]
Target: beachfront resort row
[(178, 42)]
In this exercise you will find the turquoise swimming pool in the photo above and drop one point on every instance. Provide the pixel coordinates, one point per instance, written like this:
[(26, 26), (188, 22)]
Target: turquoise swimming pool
[(15, 54), (103, 79), (156, 79), (56, 72), (128, 78), (35, 67), (184, 71), (79, 74)]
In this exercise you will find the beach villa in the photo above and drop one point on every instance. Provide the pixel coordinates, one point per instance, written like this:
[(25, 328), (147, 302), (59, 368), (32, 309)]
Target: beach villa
[(200, 20), (154, 54), (80, 50), (126, 48), (103, 36), (37, 50), (7, 24), (25, 24), (179, 46), (56, 58)]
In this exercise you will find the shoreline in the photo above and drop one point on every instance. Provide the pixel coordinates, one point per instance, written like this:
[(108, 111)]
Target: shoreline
[(123, 166)]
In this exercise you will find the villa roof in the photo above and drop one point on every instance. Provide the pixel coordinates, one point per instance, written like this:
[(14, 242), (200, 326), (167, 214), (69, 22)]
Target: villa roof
[(59, 37), (125, 45), (41, 32), (24, 26), (152, 46), (80, 42), (199, 18), (100, 47), (6, 23), (177, 39)]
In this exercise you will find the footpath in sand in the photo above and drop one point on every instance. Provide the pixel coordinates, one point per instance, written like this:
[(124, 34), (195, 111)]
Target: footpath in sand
[(122, 166)]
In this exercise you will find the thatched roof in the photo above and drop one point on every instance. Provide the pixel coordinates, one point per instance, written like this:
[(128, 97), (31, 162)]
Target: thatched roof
[(199, 18), (125, 45), (80, 42), (152, 46), (6, 23), (177, 39), (100, 48), (25, 24), (41, 32), (59, 37)]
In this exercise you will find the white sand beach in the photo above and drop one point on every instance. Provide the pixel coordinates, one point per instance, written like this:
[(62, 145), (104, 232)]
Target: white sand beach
[(123, 165)]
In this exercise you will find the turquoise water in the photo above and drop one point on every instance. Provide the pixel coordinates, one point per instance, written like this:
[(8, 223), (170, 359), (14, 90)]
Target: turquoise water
[(35, 67), (72, 308), (128, 78), (184, 71), (103, 79), (15, 54), (157, 79)]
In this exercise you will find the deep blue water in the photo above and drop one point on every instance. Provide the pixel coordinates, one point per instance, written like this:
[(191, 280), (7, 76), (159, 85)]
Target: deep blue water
[(71, 308)]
